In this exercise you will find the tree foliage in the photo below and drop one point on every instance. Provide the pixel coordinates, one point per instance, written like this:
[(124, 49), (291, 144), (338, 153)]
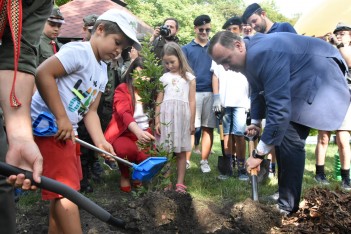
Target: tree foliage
[(153, 12)]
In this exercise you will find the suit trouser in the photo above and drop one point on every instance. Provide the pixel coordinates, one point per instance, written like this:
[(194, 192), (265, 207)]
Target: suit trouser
[(291, 162), (7, 201)]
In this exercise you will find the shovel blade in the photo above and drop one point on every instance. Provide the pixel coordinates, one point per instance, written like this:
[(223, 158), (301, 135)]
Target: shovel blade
[(147, 169), (225, 165)]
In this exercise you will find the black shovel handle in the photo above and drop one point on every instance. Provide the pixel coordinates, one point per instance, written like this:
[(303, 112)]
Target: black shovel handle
[(67, 192), (254, 184)]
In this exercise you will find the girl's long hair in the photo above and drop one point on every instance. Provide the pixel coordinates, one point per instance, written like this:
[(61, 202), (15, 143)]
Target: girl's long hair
[(138, 62), (172, 48)]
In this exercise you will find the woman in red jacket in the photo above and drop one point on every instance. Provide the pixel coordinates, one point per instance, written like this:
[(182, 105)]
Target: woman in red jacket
[(129, 124)]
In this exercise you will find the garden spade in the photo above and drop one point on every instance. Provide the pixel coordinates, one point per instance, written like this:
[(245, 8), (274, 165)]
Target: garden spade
[(225, 167)]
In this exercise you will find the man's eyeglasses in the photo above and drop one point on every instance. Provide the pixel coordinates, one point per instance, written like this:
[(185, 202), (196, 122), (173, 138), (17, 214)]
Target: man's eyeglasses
[(201, 30)]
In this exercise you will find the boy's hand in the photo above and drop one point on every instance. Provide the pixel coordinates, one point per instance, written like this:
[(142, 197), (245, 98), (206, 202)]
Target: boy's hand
[(107, 147), (65, 129)]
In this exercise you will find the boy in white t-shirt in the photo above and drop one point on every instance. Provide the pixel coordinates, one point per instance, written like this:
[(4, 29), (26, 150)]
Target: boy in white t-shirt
[(70, 85)]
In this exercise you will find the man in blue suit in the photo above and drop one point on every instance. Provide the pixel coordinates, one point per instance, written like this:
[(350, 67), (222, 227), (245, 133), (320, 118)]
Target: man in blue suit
[(297, 83)]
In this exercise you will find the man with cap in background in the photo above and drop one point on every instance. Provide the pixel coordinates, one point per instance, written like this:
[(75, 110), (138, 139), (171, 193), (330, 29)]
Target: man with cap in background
[(200, 62), (257, 18), (231, 91), (88, 25), (342, 40), (49, 44), (234, 25)]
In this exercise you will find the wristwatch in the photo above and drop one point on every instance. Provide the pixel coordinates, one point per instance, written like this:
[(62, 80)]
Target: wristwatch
[(255, 155), (340, 45)]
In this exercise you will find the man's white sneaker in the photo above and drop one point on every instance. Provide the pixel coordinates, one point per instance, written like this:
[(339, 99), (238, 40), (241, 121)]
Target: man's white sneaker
[(205, 168)]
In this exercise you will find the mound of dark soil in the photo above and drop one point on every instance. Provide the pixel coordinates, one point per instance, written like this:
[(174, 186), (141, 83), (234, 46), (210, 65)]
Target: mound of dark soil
[(323, 211)]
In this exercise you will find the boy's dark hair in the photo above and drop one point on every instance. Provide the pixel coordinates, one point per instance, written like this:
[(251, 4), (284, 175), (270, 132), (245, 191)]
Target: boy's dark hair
[(110, 28)]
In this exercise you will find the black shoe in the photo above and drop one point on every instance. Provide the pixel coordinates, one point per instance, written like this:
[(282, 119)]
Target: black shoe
[(321, 179), (85, 186), (86, 189), (97, 169), (345, 184), (110, 164), (96, 172)]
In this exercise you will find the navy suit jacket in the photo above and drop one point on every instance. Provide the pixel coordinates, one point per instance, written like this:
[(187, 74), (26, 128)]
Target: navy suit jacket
[(295, 78)]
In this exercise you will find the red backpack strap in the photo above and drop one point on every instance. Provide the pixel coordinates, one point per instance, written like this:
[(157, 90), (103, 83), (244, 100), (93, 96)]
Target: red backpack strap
[(13, 10)]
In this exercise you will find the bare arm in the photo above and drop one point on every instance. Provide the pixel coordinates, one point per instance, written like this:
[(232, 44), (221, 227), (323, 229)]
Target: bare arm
[(215, 84), (143, 136), (159, 100), (22, 152), (192, 105), (93, 125), (47, 87)]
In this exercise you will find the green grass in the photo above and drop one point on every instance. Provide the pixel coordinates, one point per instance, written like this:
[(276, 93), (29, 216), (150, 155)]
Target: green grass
[(208, 187)]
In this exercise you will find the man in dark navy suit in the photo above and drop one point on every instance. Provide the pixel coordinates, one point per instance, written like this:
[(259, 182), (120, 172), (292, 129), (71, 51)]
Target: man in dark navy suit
[(297, 83)]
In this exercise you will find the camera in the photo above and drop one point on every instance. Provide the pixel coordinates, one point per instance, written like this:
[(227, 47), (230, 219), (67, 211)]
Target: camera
[(165, 31)]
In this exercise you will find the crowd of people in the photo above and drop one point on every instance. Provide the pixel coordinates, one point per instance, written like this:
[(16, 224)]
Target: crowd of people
[(287, 83)]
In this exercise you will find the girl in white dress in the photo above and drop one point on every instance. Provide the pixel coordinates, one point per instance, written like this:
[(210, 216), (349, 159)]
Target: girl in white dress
[(175, 116)]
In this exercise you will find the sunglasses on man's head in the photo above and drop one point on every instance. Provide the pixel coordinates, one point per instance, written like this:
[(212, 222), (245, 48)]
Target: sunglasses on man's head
[(201, 30)]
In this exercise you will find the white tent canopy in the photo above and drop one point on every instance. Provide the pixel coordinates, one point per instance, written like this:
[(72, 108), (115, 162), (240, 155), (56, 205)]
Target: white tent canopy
[(323, 19)]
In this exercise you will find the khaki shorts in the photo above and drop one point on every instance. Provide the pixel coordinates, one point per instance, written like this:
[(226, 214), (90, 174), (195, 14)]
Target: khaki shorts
[(204, 117), (34, 15)]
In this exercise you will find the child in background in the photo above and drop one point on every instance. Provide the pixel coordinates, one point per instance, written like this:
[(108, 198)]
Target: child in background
[(129, 125), (69, 88), (175, 117)]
